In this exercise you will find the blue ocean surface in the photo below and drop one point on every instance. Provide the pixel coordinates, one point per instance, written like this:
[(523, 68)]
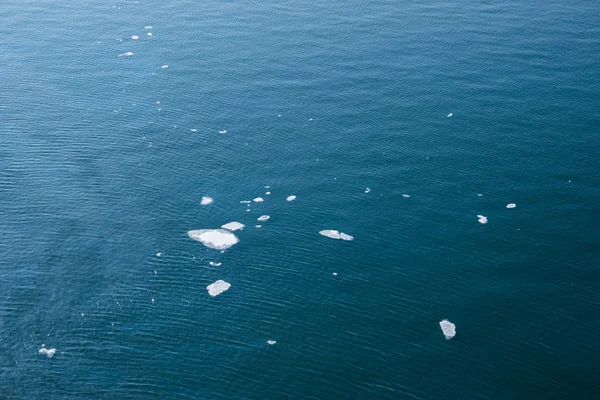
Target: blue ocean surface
[(445, 110)]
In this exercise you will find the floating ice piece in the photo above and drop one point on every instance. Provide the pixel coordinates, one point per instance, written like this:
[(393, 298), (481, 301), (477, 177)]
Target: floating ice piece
[(220, 286), (267, 187), (267, 193), (344, 236), (482, 219), (223, 131), (271, 342), (148, 27), (448, 328), (479, 194), (219, 239), (158, 254), (258, 226), (511, 205), (214, 264), (135, 37), (367, 190), (48, 352), (149, 33), (233, 226), (333, 234), (258, 200), (449, 115), (335, 274), (406, 196), (128, 54), (245, 202), (291, 198), (263, 217), (165, 66), (206, 200), (193, 130)]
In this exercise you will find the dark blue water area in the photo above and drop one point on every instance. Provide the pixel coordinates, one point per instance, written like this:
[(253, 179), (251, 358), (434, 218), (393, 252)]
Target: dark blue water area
[(105, 157)]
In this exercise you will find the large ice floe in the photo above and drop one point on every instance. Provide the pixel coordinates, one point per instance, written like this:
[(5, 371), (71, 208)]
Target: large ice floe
[(218, 287), (333, 234), (219, 239), (233, 226), (448, 328)]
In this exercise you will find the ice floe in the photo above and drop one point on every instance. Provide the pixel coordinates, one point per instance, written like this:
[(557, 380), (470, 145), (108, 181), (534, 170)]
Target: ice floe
[(219, 239), (165, 66), (158, 254), (218, 287), (193, 130), (206, 200), (406, 196), (147, 27), (128, 54), (258, 226), (271, 342), (482, 219), (335, 274), (367, 190), (449, 115), (333, 234), (258, 200), (149, 33), (448, 328), (214, 264), (223, 131), (291, 198), (135, 37), (511, 205), (263, 217), (233, 226), (48, 352), (267, 193)]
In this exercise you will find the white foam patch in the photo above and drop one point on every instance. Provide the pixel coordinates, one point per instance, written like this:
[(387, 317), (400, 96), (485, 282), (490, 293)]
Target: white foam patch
[(214, 264), (511, 205), (263, 217), (219, 239), (218, 287), (233, 226), (128, 54), (291, 198), (48, 352), (367, 190), (271, 342), (135, 37), (482, 219), (206, 200), (448, 328), (258, 200)]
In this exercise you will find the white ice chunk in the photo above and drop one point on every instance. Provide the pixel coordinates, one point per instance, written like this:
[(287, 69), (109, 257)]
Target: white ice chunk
[(343, 236), (330, 233), (448, 328), (233, 226), (271, 342), (263, 217), (449, 115), (267, 193), (367, 190), (220, 286), (245, 202), (258, 200), (219, 239), (165, 66), (214, 264), (335, 274), (149, 33), (291, 198), (511, 205), (128, 54), (223, 131), (267, 187), (482, 219), (406, 196), (148, 27), (193, 130), (206, 200), (135, 37), (258, 226), (48, 352), (158, 254)]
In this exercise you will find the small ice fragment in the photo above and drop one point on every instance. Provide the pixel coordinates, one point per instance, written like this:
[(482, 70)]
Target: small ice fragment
[(258, 226), (215, 264), (258, 200), (367, 190), (271, 342), (206, 200), (48, 352), (479, 194), (511, 205), (153, 300), (165, 66), (245, 202), (482, 219), (310, 119), (267, 187), (135, 37), (263, 217), (220, 286), (219, 239), (291, 198), (158, 254), (267, 193), (128, 54), (158, 102), (343, 236), (448, 328), (279, 115), (148, 27), (149, 33), (406, 196), (449, 115), (223, 131), (335, 274), (233, 226), (194, 130)]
